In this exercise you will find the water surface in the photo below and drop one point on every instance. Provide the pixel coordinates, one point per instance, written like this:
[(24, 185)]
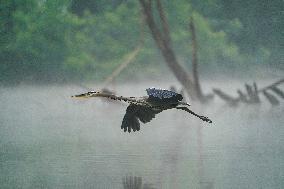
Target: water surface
[(48, 140)]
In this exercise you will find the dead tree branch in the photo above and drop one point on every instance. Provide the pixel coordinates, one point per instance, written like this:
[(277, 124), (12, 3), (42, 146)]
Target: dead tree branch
[(129, 58), (251, 96), (272, 85)]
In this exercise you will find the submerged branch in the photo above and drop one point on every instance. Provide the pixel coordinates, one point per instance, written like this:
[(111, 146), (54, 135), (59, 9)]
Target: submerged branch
[(252, 94)]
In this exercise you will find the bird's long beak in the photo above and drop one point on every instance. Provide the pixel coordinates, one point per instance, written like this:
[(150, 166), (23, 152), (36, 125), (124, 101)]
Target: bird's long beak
[(86, 95), (80, 96)]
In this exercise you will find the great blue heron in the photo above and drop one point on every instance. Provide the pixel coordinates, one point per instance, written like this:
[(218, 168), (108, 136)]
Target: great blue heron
[(145, 108)]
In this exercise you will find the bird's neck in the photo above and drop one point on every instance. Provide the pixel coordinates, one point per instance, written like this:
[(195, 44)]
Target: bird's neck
[(120, 98)]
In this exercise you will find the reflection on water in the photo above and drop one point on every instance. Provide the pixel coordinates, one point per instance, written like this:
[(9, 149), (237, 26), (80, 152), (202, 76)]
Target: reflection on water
[(48, 140), (131, 182)]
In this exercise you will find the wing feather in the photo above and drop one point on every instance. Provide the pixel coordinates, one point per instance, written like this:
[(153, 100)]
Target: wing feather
[(134, 113)]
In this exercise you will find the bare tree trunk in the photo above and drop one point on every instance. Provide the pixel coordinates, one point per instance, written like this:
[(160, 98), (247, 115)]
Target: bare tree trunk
[(195, 59), (165, 25), (162, 39)]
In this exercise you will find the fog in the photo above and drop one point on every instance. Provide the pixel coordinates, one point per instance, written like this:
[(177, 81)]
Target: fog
[(51, 50), (49, 140)]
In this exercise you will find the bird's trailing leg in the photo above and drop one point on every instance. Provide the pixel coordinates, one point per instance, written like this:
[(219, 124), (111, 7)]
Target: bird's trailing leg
[(203, 118)]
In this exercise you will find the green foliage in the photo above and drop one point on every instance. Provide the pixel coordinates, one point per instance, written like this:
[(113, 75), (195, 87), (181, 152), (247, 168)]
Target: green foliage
[(67, 40), (38, 44), (253, 25)]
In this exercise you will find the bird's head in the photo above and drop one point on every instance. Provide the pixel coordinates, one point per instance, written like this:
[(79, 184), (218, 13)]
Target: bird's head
[(87, 95), (179, 97)]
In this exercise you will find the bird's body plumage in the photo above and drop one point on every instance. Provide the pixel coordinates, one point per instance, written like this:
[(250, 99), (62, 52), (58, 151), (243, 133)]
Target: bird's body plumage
[(144, 109)]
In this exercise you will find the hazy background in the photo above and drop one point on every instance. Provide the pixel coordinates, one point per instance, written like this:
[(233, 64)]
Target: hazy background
[(50, 50)]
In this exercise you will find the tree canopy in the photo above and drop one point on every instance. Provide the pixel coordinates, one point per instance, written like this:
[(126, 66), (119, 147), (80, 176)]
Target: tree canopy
[(43, 41)]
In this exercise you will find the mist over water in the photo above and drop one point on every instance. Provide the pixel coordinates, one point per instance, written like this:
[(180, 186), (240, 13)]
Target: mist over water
[(49, 140)]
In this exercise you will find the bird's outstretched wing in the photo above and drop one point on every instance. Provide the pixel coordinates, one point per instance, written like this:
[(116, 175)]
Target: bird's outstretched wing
[(134, 113)]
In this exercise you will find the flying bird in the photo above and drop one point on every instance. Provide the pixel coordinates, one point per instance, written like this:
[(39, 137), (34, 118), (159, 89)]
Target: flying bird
[(144, 109)]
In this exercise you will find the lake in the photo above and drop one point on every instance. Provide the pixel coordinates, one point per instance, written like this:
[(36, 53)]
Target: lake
[(49, 140)]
